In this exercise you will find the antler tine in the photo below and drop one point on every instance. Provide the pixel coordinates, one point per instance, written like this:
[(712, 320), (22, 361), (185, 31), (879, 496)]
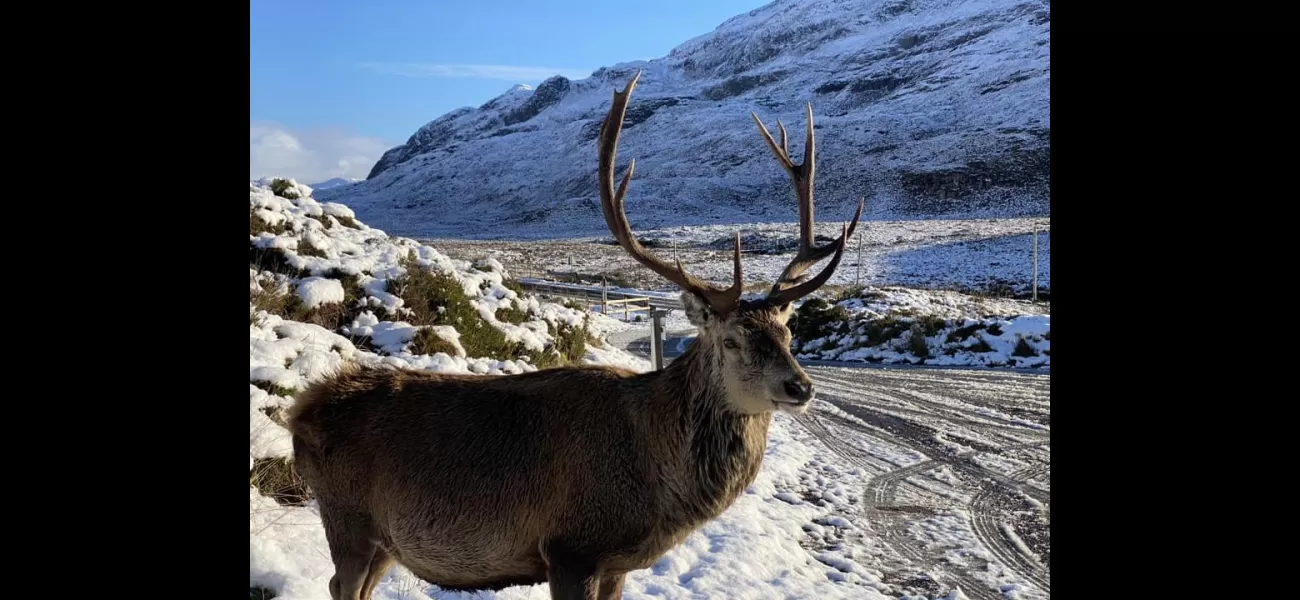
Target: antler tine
[(804, 177), (611, 204), (783, 295)]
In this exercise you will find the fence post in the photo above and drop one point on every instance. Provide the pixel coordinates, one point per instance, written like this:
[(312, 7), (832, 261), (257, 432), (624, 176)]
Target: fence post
[(1035, 261), (604, 297), (858, 279), (656, 339)]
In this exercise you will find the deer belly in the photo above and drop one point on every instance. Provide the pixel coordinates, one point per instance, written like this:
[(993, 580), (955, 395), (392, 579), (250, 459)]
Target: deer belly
[(472, 564)]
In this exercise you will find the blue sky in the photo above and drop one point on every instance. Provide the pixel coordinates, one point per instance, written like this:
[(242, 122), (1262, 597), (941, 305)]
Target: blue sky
[(334, 84)]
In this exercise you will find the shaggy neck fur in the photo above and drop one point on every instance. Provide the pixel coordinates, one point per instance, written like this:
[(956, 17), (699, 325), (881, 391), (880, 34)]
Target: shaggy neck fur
[(723, 449)]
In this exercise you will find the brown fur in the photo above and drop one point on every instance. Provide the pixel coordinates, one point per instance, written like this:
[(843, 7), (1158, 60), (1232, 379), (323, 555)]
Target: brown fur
[(575, 474)]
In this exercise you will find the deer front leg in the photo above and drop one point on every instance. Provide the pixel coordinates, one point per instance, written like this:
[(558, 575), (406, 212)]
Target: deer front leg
[(571, 575)]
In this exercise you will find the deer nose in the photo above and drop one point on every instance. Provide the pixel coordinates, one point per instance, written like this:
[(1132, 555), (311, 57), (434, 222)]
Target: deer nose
[(799, 389)]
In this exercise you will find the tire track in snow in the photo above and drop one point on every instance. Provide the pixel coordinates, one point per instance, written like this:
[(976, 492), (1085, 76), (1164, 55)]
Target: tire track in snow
[(917, 398), (890, 522), (994, 430), (989, 529), (880, 494)]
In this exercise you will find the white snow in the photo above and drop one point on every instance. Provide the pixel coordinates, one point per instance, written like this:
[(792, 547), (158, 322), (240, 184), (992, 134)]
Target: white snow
[(759, 548), (317, 291)]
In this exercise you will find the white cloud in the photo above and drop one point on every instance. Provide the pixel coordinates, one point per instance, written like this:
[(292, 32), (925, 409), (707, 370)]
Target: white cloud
[(310, 156), (514, 73)]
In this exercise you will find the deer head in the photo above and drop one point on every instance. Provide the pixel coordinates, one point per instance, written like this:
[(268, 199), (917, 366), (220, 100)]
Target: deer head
[(743, 344)]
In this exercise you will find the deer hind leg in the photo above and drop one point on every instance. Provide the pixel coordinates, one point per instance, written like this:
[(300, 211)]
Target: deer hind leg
[(611, 586), (379, 565), (353, 550)]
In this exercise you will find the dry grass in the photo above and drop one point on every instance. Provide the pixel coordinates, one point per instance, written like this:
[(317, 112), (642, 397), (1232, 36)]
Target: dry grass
[(276, 478)]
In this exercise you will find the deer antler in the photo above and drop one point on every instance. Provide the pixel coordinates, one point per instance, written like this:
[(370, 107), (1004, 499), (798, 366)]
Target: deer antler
[(611, 203), (787, 289)]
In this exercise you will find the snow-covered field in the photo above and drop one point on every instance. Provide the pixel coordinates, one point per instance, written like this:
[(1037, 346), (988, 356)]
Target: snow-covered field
[(986, 255), (797, 532)]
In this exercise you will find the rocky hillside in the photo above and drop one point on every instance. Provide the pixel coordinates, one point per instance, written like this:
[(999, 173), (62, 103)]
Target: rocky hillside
[(927, 107)]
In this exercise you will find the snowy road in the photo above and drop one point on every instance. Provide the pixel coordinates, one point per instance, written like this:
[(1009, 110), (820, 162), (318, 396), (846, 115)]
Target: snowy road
[(983, 443)]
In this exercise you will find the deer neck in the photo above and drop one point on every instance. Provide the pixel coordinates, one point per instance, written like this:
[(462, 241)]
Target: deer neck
[(713, 453)]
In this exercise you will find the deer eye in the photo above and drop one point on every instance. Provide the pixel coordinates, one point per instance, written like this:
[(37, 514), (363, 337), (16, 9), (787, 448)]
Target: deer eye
[(730, 343)]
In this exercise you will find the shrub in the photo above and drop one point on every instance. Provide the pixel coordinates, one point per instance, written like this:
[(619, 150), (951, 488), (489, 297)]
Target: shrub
[(884, 329), (276, 478), (931, 324), (257, 226), (1023, 349), (512, 314), (305, 248), (428, 342), (917, 342), (570, 341), (287, 304), (274, 260), (283, 189), (961, 333), (274, 389), (438, 299), (817, 318)]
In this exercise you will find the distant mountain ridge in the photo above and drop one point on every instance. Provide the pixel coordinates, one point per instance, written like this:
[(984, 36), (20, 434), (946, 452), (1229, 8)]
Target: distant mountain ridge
[(334, 182), (926, 107)]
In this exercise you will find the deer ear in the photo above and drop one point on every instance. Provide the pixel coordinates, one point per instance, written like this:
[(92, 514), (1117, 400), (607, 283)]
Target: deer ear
[(698, 311)]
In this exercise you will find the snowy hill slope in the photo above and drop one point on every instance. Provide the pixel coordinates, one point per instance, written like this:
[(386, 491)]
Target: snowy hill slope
[(927, 107)]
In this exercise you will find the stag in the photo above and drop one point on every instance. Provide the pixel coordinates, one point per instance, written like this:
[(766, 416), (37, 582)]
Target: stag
[(574, 476)]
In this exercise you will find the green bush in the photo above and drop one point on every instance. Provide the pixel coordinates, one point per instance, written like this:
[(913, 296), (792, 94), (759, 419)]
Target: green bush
[(817, 318), (884, 329), (438, 299), (428, 342), (281, 188), (256, 226)]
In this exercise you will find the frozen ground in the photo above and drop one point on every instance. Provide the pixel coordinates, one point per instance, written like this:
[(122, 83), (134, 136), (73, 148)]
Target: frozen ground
[(901, 483), (987, 255)]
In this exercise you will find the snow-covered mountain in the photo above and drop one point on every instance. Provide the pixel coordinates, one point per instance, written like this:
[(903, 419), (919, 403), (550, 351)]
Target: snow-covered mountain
[(926, 107)]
